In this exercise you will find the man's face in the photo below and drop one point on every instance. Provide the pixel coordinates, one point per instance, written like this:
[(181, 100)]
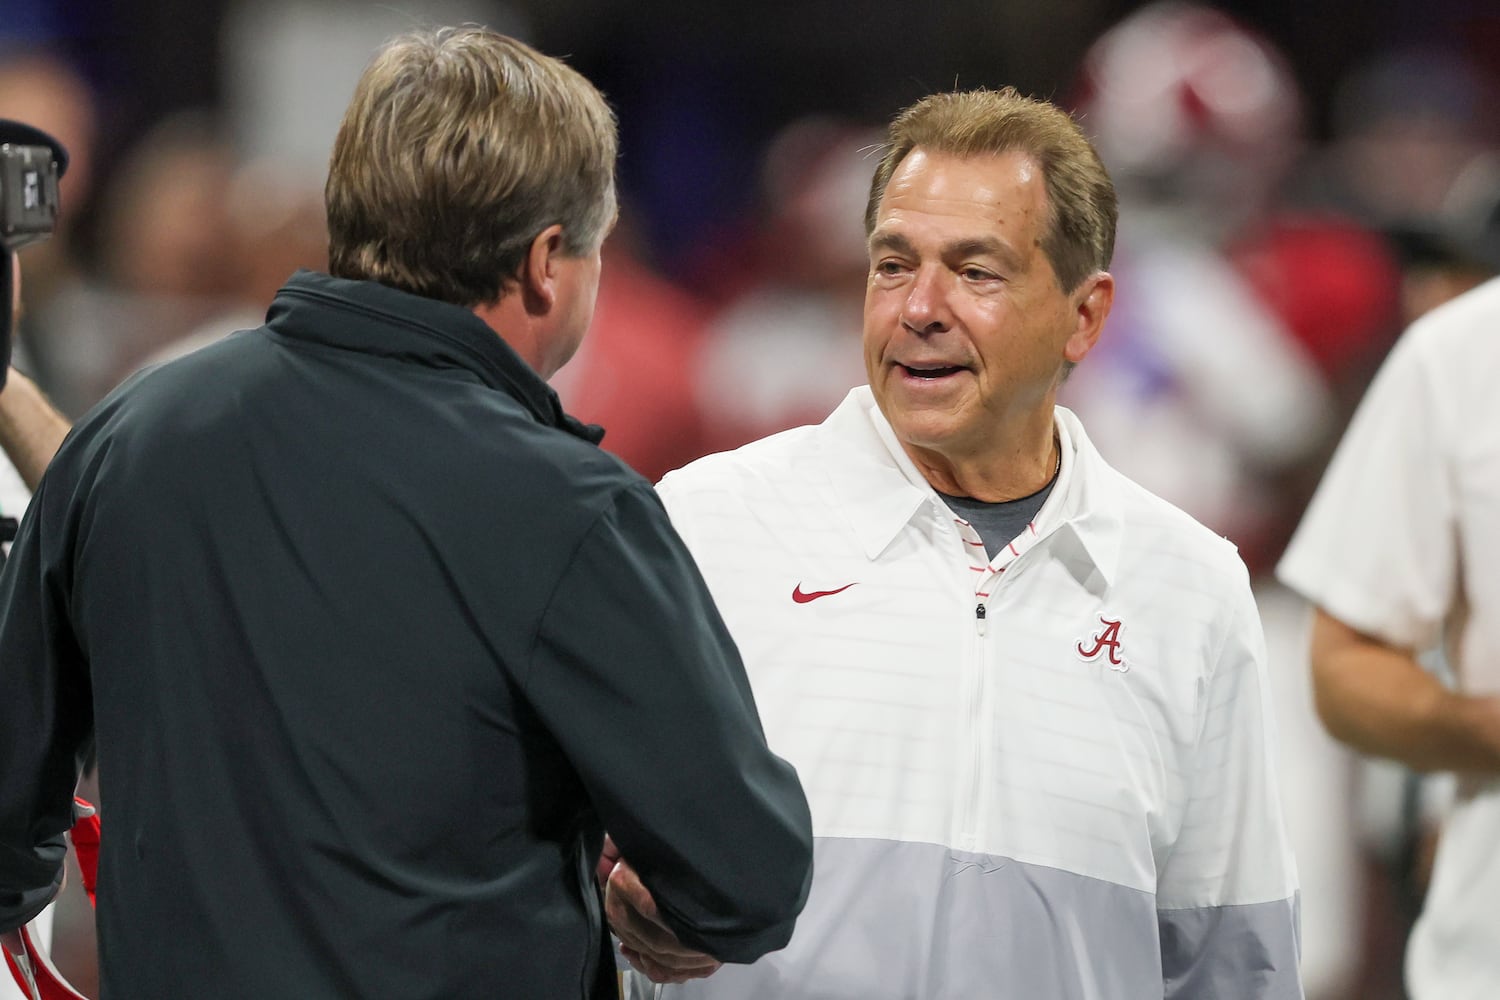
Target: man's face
[(966, 328)]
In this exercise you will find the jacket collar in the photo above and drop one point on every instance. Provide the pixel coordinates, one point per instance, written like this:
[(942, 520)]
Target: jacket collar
[(375, 319), (880, 490)]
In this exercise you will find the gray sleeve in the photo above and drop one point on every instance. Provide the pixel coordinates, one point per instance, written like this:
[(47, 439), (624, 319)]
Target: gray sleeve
[(1249, 950), (1227, 890), (637, 678), (45, 724)]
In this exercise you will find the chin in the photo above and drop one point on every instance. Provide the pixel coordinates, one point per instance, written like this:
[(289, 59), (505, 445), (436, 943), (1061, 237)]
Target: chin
[(929, 431)]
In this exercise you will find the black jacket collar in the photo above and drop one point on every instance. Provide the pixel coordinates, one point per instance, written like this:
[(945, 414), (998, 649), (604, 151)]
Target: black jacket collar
[(376, 319)]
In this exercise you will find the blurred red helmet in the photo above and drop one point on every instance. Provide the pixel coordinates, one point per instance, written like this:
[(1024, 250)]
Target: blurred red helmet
[(1185, 97)]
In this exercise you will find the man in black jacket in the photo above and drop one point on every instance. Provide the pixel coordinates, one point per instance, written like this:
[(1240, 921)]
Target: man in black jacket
[(372, 639)]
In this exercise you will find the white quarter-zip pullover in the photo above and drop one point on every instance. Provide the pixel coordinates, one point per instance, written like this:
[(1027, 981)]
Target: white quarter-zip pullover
[(1043, 775)]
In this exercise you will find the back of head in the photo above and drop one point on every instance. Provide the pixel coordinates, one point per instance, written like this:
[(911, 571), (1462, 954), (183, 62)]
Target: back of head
[(460, 146), (1080, 235)]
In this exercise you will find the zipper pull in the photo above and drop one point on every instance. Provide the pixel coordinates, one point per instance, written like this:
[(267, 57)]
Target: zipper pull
[(979, 616)]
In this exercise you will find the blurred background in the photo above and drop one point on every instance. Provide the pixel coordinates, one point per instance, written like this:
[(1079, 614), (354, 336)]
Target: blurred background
[(1299, 179)]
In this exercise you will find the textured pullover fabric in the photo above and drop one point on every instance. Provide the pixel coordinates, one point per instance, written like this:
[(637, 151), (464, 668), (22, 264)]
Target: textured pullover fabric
[(374, 643), (1046, 775)]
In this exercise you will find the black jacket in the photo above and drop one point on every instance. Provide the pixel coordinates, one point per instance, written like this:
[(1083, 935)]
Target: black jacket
[(374, 642)]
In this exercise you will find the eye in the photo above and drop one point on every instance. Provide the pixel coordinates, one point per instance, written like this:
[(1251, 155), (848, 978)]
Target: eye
[(973, 273), (889, 267)]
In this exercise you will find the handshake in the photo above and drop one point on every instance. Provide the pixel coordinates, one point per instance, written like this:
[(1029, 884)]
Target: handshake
[(646, 942)]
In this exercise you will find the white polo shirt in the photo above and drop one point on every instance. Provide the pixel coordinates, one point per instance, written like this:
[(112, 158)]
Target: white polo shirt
[(1401, 542), (1046, 775)]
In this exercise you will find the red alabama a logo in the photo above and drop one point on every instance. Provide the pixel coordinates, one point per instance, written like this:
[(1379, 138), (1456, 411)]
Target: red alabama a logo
[(1106, 643)]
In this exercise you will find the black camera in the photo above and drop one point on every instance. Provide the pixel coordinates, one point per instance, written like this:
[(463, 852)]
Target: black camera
[(31, 161), (28, 194)]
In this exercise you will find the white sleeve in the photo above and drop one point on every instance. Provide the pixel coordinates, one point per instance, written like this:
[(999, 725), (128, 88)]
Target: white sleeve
[(1227, 905), (1377, 548)]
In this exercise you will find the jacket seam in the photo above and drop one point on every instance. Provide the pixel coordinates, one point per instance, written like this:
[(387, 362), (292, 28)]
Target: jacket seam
[(583, 537)]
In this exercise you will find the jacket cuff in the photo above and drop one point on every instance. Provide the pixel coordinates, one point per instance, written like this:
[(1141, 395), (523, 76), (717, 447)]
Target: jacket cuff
[(19, 908)]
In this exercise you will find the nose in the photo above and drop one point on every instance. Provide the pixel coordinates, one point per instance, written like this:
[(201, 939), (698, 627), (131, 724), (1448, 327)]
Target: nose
[(925, 310)]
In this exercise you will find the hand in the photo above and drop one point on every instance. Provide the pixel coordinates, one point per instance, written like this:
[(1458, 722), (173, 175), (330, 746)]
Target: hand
[(647, 944)]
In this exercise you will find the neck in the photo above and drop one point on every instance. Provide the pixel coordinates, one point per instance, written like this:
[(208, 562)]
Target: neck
[(509, 319), (999, 474)]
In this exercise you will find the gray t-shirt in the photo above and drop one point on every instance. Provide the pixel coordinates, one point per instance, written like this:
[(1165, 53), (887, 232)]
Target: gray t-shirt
[(998, 523)]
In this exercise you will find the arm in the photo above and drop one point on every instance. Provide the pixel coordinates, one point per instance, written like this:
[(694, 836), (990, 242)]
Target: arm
[(637, 678), (31, 429), (46, 721), (1227, 907), (1378, 699)]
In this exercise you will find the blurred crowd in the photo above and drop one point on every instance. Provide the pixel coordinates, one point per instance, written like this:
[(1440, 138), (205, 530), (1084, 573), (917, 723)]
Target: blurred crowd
[(1269, 254)]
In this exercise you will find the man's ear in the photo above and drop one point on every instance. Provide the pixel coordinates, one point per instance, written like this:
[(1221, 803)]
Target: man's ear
[(1093, 300), (539, 273)]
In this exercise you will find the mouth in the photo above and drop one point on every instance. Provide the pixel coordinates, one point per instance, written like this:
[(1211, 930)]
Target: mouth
[(930, 372)]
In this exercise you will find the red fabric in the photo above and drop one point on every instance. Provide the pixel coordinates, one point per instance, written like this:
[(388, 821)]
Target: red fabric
[(1335, 284), (86, 845), (50, 984)]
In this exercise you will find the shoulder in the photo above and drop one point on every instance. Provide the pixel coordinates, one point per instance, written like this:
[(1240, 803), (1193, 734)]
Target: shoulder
[(1151, 531), (772, 464), (1169, 556), (1450, 356), (1473, 313), (1158, 521)]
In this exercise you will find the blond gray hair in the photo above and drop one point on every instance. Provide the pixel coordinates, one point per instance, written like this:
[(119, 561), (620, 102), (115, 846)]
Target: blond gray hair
[(459, 147), (1079, 238)]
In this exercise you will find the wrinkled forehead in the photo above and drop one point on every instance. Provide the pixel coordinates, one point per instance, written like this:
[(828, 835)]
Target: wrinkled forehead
[(989, 191)]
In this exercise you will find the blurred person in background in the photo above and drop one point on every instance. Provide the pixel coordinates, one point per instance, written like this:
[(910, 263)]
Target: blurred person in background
[(314, 585), (805, 303), (167, 259), (45, 90), (1395, 555), (287, 67), (1201, 393), (1241, 325), (1027, 698), (1413, 156), (1415, 153), (273, 226)]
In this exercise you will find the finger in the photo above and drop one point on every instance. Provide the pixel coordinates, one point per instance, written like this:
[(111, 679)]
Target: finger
[(651, 940), (608, 856), (695, 967), (634, 930), (628, 907), (663, 972), (628, 885)]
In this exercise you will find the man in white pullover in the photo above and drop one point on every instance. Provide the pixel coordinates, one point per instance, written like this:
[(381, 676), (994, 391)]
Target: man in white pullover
[(1396, 552), (1027, 699)]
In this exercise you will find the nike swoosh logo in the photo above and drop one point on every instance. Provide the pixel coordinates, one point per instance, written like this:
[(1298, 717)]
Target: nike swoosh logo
[(802, 597)]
